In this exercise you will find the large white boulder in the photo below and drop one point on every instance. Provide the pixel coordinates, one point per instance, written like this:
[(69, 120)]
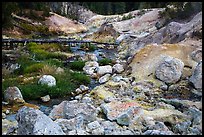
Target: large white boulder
[(48, 80)]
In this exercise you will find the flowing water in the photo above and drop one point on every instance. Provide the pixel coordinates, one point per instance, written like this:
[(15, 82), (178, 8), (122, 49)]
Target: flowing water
[(108, 53)]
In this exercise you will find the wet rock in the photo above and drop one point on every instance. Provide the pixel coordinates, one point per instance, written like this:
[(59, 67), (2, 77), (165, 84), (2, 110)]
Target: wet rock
[(104, 78), (101, 70), (118, 68), (3, 115), (78, 91), (84, 88), (196, 77), (7, 112), (13, 95), (48, 80), (170, 70), (45, 98), (34, 122)]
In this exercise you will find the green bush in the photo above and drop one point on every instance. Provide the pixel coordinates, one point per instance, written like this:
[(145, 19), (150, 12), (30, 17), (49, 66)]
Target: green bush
[(90, 47), (77, 65), (54, 62), (179, 10), (80, 78), (105, 61), (34, 68)]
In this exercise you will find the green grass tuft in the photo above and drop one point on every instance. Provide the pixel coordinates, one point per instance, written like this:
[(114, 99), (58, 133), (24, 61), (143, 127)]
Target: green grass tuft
[(105, 61), (77, 65)]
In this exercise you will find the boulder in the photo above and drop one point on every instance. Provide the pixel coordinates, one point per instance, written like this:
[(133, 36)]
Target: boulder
[(196, 77), (57, 111), (47, 80), (90, 67), (13, 95), (34, 122), (169, 70), (104, 78), (122, 112), (118, 68), (72, 109), (101, 70)]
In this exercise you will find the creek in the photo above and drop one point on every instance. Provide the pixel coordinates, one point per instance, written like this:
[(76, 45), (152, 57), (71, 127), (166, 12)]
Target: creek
[(102, 51)]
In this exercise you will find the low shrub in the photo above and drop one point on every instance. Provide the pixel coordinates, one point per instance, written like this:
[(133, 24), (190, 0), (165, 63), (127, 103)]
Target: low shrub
[(37, 67), (90, 47), (77, 65), (54, 62), (80, 78), (105, 61)]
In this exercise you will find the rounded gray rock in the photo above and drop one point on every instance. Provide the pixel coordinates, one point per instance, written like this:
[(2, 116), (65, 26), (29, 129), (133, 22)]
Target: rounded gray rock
[(47, 80), (34, 122), (13, 95), (196, 77), (169, 70)]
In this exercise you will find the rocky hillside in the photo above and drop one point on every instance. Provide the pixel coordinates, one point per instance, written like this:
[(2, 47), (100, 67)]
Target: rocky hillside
[(152, 86)]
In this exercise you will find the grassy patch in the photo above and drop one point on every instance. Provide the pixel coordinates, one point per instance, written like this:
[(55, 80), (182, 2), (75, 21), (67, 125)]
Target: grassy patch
[(47, 63), (77, 65), (54, 62), (80, 78), (87, 47), (34, 68), (105, 61), (45, 51)]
